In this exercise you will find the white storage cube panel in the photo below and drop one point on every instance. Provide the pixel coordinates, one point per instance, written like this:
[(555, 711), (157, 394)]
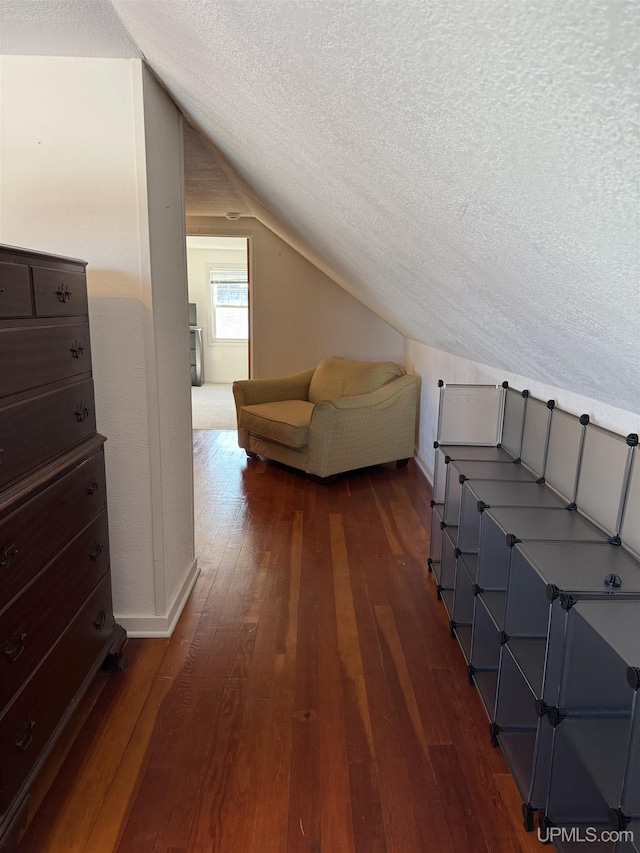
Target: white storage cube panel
[(603, 477), (566, 435), (535, 436), (470, 414)]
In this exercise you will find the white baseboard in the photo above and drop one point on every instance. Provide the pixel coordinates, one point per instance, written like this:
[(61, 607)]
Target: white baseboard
[(161, 625), (424, 466)]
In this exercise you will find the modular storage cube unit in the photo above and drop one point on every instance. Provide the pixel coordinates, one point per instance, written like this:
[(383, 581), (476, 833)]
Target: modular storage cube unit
[(494, 566), (543, 577), (594, 774), (524, 532)]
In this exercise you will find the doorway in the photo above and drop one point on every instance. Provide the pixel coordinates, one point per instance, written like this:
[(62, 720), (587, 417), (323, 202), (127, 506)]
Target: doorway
[(218, 282), (219, 293)]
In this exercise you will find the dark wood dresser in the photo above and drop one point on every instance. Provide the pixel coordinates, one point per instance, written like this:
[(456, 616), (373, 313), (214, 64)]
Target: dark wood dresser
[(56, 616)]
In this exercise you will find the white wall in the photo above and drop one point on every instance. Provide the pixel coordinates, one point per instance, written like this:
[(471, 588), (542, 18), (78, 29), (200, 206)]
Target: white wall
[(433, 364), (224, 361), (298, 314), (74, 182), (169, 377)]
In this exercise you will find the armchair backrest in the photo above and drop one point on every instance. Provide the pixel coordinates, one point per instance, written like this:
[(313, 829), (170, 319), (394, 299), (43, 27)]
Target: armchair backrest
[(340, 377)]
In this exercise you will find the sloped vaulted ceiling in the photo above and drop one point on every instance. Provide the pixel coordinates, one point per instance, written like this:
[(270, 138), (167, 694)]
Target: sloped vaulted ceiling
[(467, 168)]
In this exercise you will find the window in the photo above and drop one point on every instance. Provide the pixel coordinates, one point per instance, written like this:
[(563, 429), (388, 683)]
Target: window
[(230, 304)]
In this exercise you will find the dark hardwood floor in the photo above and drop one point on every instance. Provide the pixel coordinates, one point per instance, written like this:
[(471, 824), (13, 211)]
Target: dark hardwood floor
[(311, 698)]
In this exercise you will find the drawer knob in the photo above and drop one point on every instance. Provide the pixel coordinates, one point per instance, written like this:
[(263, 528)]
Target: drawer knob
[(25, 735), (82, 412), (77, 349), (93, 487), (96, 551), (6, 554), (63, 293), (15, 645), (100, 619)]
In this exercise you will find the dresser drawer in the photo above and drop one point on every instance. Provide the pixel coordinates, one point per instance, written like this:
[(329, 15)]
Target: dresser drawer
[(43, 354), (29, 724), (15, 290), (59, 293), (32, 535), (35, 619), (40, 428)]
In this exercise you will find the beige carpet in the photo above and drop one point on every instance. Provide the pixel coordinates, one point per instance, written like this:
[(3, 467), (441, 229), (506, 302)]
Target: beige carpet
[(212, 406)]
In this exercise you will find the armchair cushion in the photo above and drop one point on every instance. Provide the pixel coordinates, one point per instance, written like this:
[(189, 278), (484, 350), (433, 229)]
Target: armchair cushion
[(285, 422), (337, 377)]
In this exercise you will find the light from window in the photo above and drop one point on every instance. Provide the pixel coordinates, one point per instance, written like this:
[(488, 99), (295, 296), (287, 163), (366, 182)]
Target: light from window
[(230, 300)]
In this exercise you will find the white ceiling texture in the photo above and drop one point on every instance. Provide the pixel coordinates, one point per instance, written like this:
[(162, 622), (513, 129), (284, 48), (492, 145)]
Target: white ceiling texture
[(467, 168)]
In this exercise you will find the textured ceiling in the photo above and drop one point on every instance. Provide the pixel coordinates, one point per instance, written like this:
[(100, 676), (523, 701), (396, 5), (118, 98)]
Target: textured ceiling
[(209, 189), (467, 168)]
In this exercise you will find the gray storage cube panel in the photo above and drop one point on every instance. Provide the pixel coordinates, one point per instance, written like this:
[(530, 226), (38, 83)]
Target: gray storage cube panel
[(486, 647), (630, 528), (444, 454), (573, 798), (435, 555), (603, 640), (566, 591), (630, 800), (463, 603), (439, 476), (477, 494), (519, 749), (602, 478), (515, 403), (475, 470), (543, 571), (515, 706), (535, 435), (470, 414), (502, 526), (566, 435), (446, 582), (544, 524), (493, 557)]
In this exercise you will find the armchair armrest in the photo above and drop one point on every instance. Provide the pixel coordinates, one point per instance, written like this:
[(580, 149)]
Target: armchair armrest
[(367, 429), (249, 392)]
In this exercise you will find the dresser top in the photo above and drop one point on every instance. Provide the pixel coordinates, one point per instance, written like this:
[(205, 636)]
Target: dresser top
[(40, 256)]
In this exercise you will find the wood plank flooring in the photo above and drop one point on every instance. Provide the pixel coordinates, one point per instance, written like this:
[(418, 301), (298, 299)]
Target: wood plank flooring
[(311, 698)]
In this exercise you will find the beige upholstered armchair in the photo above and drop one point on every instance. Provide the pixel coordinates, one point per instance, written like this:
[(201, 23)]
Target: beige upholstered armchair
[(338, 416)]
